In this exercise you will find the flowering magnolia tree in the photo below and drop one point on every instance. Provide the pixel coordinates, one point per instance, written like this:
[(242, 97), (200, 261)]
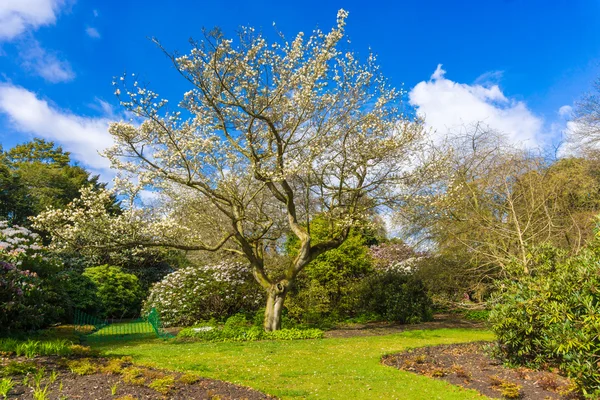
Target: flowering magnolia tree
[(268, 136)]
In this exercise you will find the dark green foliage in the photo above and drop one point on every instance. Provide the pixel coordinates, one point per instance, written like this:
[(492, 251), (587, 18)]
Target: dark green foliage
[(395, 296), (81, 292), (36, 175), (551, 317), (119, 292), (326, 287)]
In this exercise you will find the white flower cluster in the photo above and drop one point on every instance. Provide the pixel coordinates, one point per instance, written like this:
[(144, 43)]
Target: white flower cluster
[(18, 241), (194, 294)]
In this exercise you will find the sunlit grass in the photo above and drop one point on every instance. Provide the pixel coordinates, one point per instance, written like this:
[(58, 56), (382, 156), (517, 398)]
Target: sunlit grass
[(340, 368)]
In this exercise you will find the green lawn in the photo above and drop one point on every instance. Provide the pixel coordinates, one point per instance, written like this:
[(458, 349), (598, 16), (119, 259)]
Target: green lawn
[(347, 368)]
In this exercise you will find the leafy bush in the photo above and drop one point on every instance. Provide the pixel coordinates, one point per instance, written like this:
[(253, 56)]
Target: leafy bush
[(325, 290), (195, 294), (551, 318), (395, 295), (82, 292), (119, 292)]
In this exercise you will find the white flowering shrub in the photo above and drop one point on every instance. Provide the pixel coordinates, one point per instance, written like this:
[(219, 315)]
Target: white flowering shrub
[(195, 294)]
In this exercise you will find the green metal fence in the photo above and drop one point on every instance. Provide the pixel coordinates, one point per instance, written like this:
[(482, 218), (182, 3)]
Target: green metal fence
[(93, 329)]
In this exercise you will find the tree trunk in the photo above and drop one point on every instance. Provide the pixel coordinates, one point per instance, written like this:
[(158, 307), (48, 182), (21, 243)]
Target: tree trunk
[(275, 298)]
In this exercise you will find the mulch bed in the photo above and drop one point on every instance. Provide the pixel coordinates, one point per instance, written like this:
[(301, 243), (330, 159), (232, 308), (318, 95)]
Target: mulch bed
[(97, 386), (470, 366)]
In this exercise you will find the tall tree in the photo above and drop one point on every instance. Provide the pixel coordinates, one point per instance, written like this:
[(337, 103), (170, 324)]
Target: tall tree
[(36, 175), (268, 136)]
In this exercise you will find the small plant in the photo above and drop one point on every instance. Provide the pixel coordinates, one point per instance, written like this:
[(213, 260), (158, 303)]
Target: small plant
[(79, 350), (126, 397), (112, 367), (53, 376), (113, 389), (495, 381), (38, 376), (461, 372), (163, 385), (82, 367), (6, 385), (19, 368), (40, 394), (548, 382), (189, 379), (60, 386), (510, 390), (439, 373), (133, 375)]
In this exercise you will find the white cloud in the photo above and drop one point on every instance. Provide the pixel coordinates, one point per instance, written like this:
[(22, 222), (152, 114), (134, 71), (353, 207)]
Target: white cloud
[(45, 64), (449, 106), (92, 32), (18, 16), (84, 137), (95, 12), (565, 111)]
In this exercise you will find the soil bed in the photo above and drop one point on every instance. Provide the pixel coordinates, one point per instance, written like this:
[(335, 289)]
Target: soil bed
[(470, 366), (100, 384)]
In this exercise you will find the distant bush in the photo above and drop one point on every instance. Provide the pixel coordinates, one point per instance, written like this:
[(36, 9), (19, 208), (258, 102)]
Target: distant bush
[(551, 318), (395, 295), (119, 292), (193, 294)]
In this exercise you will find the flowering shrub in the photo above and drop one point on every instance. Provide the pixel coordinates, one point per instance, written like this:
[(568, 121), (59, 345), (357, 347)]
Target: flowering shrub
[(22, 300), (194, 294), (30, 294), (394, 256)]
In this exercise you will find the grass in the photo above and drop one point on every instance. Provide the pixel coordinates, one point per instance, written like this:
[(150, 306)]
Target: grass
[(125, 330), (339, 368)]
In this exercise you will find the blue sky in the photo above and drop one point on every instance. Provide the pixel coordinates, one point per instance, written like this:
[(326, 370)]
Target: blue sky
[(518, 65)]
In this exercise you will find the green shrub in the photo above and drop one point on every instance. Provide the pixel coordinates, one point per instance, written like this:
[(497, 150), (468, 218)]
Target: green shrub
[(195, 294), (551, 318), (119, 293), (325, 290), (477, 315), (82, 292), (395, 295)]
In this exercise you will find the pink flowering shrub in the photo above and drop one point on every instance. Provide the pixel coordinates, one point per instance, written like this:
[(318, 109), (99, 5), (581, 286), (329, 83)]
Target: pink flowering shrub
[(194, 294), (22, 299), (30, 295)]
